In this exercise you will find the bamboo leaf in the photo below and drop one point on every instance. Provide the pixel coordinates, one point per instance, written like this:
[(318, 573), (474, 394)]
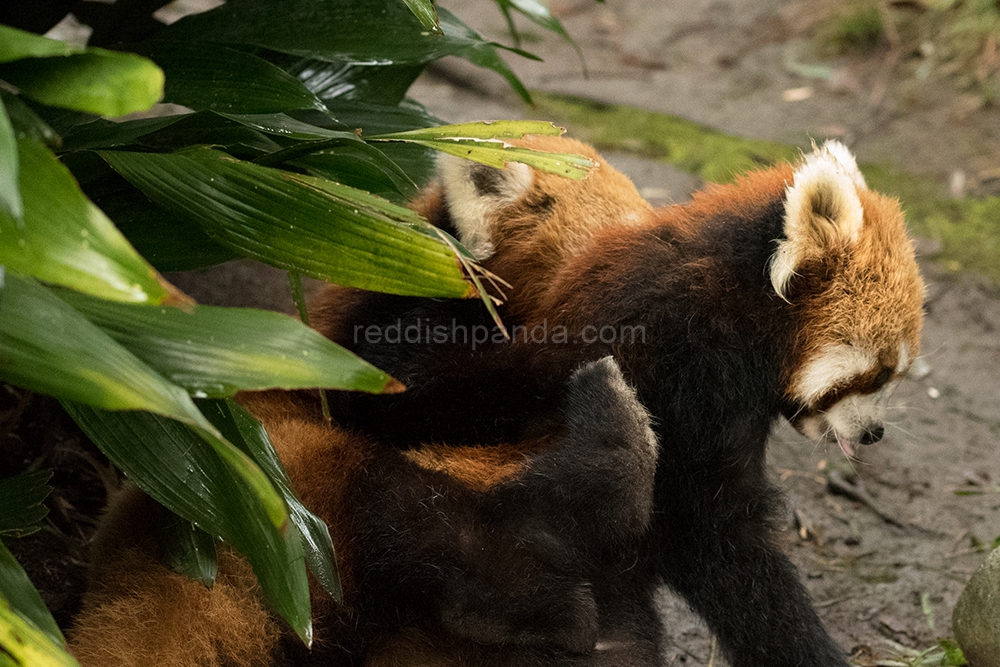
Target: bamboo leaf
[(17, 44), (285, 126), (27, 646), (425, 13), (188, 472), (381, 35), (485, 143), (101, 133), (375, 119), (499, 129), (26, 122), (10, 192), (190, 551), (246, 432), (372, 81), (538, 14), (96, 81), (65, 239), (301, 223), (22, 498), (48, 347), (208, 76), (23, 598), (218, 351), (168, 241), (361, 166)]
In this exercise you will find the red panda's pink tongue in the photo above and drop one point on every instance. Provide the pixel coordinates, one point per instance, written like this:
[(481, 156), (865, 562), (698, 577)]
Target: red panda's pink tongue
[(846, 446)]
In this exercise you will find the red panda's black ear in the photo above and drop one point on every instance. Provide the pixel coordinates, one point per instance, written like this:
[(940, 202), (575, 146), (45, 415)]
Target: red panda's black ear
[(823, 213), (475, 192)]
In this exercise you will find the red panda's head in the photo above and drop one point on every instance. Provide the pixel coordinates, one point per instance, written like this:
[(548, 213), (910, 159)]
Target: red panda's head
[(524, 224), (847, 265)]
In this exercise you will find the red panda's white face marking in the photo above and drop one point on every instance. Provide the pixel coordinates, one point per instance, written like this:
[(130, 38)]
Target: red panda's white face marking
[(836, 364), (847, 266), (847, 390)]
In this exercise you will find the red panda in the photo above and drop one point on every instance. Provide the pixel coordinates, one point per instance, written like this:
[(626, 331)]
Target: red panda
[(793, 291)]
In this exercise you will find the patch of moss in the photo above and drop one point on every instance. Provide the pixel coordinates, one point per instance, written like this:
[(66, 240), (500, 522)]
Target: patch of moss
[(967, 228), (697, 149), (856, 27)]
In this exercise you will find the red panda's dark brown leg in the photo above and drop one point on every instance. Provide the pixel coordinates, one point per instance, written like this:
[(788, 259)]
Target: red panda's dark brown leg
[(716, 552)]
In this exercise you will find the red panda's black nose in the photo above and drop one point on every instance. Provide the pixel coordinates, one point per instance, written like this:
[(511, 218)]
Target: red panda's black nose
[(872, 435)]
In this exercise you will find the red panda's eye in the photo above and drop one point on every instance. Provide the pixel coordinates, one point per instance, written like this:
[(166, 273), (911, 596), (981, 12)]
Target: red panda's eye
[(883, 376)]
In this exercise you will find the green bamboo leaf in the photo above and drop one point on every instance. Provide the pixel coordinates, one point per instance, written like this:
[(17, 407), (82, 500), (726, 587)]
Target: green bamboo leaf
[(375, 119), (481, 53), (26, 121), (208, 76), (246, 432), (497, 129), (10, 190), (425, 13), (538, 14), (343, 31), (187, 471), (219, 351), (285, 126), (372, 81), (331, 30), (48, 347), (190, 551), (361, 166), (180, 130), (96, 81), (24, 645), (101, 133), (22, 498), (65, 239), (167, 241), (323, 229), (484, 142), (24, 599), (17, 44)]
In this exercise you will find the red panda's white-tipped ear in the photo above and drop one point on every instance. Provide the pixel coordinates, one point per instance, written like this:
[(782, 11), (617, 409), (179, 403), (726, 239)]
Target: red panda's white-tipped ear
[(822, 210), (475, 192)]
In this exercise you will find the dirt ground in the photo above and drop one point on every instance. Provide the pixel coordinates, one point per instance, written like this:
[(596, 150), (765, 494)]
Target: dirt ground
[(883, 573), (886, 572)]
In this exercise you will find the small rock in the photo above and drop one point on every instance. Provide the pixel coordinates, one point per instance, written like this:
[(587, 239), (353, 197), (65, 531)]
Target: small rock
[(976, 620), (956, 184)]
